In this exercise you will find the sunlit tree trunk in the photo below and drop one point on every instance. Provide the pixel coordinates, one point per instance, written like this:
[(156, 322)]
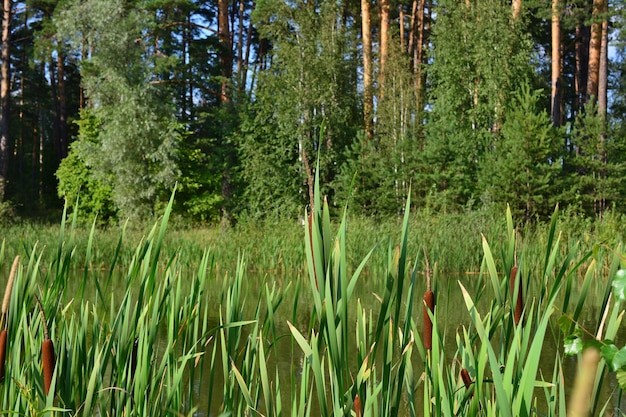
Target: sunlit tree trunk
[(595, 47), (602, 103), (555, 97), (368, 98), (517, 8), (226, 59), (4, 96), (418, 56), (603, 70), (384, 43)]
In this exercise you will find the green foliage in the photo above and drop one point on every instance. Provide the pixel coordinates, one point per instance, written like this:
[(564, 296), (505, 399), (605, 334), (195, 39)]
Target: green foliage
[(480, 57), (594, 163), (310, 83), (138, 133), (365, 179), (619, 285), (522, 166), (271, 172), (377, 173), (77, 182)]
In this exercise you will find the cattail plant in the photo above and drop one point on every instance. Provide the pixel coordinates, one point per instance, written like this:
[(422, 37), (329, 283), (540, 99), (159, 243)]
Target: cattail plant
[(47, 352), (519, 303), (357, 406), (465, 376), (4, 322), (429, 305)]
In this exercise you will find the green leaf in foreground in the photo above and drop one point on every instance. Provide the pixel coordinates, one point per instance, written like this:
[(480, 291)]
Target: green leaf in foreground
[(619, 285), (608, 352), (572, 345), (619, 360)]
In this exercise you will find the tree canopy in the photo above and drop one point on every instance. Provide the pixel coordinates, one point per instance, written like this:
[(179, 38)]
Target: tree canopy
[(464, 104)]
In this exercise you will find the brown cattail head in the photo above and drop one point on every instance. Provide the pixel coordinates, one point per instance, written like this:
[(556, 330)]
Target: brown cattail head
[(47, 352), (357, 406), (3, 352), (519, 303), (429, 305), (467, 380), (49, 361)]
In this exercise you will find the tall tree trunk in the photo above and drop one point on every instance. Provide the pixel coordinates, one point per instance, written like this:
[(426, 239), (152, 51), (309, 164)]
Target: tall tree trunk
[(555, 97), (602, 104), (581, 49), (418, 56), (4, 96), (226, 59), (56, 131), (384, 44), (241, 80), (595, 47), (63, 136), (401, 22), (412, 28), (604, 70), (517, 8), (368, 88)]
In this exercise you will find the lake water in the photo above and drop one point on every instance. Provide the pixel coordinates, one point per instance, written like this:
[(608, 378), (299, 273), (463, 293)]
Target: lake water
[(453, 315)]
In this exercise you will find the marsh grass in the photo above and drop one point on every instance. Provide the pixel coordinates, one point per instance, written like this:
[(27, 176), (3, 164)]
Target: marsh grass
[(191, 332)]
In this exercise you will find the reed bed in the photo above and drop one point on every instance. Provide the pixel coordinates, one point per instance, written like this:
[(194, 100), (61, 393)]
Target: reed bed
[(333, 328)]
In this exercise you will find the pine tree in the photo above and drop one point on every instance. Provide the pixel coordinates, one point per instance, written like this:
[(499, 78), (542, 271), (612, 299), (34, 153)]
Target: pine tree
[(522, 168)]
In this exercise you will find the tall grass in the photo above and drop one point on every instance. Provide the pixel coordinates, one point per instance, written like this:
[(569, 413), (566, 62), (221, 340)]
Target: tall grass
[(190, 332)]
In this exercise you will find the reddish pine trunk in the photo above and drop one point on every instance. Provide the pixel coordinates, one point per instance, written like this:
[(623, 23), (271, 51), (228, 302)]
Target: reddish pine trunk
[(556, 64), (368, 91)]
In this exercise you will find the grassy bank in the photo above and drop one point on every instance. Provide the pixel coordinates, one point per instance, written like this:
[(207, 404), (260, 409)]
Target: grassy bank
[(453, 240)]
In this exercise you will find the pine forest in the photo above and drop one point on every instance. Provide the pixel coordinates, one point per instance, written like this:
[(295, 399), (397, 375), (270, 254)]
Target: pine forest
[(462, 104)]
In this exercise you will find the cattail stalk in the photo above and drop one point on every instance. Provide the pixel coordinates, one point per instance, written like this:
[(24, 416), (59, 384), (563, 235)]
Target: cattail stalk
[(4, 322), (519, 303), (47, 353), (429, 305)]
